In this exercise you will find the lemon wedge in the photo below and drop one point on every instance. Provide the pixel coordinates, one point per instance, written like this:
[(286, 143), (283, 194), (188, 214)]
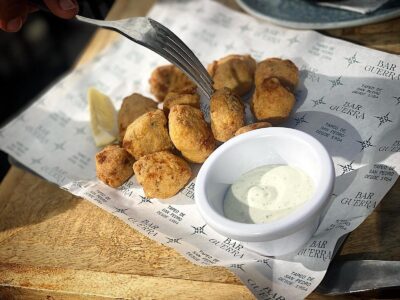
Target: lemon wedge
[(103, 118)]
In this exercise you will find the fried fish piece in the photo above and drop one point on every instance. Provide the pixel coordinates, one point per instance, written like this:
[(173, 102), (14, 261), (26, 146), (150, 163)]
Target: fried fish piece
[(162, 174), (167, 79), (132, 108), (235, 72), (147, 134), (285, 70), (251, 127), (173, 98), (227, 114), (114, 165), (272, 102), (190, 133)]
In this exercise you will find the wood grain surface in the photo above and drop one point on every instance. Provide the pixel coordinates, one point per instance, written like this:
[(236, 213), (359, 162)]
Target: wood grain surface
[(54, 245)]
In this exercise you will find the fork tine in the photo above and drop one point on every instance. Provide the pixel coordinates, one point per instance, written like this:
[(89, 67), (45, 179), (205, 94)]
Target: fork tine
[(192, 59), (175, 50), (178, 42), (162, 41), (182, 58), (178, 62)]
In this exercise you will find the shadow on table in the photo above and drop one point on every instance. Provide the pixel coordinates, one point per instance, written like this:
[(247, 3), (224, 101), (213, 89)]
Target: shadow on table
[(35, 201)]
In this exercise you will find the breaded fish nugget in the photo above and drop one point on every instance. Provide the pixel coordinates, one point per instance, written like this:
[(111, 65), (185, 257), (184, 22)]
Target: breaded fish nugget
[(235, 72), (114, 165), (173, 98), (272, 102), (147, 134), (227, 114), (252, 127), (190, 133), (167, 79), (162, 174), (132, 108), (285, 70)]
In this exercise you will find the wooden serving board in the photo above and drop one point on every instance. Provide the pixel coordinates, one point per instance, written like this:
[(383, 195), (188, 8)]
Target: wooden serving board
[(54, 245)]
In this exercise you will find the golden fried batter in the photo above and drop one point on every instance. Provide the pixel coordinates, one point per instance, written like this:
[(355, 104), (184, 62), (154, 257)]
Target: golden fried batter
[(161, 174), (251, 127), (173, 98), (285, 70), (235, 72), (227, 114), (190, 133), (114, 165), (272, 102), (147, 134), (132, 108), (167, 79)]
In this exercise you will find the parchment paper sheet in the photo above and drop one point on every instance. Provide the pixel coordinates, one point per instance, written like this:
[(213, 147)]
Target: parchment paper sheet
[(348, 99)]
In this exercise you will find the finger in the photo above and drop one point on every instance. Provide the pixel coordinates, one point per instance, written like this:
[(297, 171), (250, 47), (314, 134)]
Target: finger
[(12, 14), (65, 9)]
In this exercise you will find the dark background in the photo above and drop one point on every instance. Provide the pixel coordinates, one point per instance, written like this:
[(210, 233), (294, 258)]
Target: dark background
[(37, 55)]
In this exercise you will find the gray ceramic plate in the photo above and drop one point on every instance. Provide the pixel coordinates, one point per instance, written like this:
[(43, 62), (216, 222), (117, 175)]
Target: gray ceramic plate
[(303, 14)]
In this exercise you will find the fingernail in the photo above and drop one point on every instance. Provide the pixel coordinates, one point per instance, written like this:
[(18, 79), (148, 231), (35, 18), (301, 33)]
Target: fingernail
[(67, 4), (14, 24)]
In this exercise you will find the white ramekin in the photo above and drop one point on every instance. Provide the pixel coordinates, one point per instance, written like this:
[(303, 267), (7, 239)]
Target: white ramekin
[(256, 148)]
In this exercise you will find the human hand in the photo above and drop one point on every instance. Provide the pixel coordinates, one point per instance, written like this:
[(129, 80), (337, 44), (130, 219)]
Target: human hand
[(13, 13)]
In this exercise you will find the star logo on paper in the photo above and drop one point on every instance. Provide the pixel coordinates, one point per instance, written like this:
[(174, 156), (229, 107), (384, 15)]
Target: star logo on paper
[(397, 99), (59, 146), (137, 82), (336, 82), (265, 262), (318, 101), (366, 144), (199, 230), (120, 210), (244, 28), (97, 58), (77, 184), (36, 161), (144, 200), (153, 64), (42, 101), (293, 40), (300, 120), (21, 118), (347, 168), (352, 60), (309, 73), (132, 220), (229, 47), (237, 266), (173, 240), (383, 119), (79, 71), (80, 130)]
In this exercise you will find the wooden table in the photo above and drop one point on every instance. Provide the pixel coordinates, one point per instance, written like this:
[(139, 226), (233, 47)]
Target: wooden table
[(54, 245)]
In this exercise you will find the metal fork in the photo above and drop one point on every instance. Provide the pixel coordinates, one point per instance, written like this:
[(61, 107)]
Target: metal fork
[(158, 38)]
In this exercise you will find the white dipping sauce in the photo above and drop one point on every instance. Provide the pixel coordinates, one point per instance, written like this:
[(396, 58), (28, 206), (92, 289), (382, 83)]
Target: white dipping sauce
[(267, 193)]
